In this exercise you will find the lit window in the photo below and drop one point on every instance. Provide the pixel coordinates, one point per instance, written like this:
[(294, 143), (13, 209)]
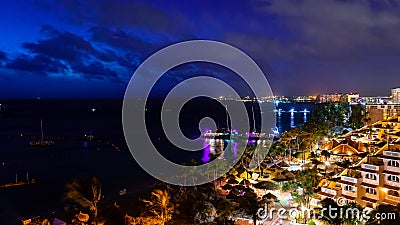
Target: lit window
[(371, 191), (349, 188), (370, 176), (393, 178), (393, 163)]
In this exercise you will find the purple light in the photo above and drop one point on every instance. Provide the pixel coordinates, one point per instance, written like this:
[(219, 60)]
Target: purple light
[(235, 144), (251, 142), (206, 152)]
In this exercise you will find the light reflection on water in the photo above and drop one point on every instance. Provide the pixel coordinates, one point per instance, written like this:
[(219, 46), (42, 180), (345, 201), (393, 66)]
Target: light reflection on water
[(216, 147), (287, 120), (291, 119)]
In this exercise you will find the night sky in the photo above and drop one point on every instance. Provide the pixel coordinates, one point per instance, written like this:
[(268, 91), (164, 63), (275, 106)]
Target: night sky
[(84, 49)]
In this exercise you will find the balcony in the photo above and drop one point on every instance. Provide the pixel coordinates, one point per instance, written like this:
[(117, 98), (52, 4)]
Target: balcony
[(392, 184), (350, 193), (368, 182), (393, 198), (391, 169), (348, 179), (370, 167), (391, 154), (372, 196), (327, 192)]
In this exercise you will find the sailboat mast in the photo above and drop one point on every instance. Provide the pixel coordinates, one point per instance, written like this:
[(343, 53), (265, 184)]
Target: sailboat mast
[(254, 119), (227, 117), (41, 128)]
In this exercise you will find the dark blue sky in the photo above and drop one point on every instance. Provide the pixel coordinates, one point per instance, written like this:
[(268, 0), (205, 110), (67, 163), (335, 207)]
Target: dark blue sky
[(68, 48)]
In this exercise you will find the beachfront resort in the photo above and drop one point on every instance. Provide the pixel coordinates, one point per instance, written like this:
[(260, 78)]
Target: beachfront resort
[(338, 158)]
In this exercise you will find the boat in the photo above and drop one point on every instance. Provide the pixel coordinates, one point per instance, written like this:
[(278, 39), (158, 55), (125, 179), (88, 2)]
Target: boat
[(221, 133), (20, 183), (254, 135), (41, 143)]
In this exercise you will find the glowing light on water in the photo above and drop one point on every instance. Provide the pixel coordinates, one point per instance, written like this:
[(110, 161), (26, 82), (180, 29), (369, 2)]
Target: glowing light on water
[(206, 152), (292, 120), (235, 144), (305, 117)]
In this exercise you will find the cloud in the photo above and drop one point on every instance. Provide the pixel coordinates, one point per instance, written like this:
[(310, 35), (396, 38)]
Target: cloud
[(134, 49), (335, 29), (301, 45), (325, 46), (120, 39), (107, 55), (114, 13), (65, 46), (38, 63), (3, 56), (65, 53), (129, 61), (94, 70), (103, 46)]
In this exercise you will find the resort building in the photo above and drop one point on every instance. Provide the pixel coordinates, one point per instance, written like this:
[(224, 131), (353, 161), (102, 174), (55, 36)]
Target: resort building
[(352, 98), (376, 136), (396, 95), (346, 149), (350, 185), (375, 181), (329, 98), (329, 190), (375, 100), (374, 177), (391, 177), (311, 98), (377, 112), (371, 173)]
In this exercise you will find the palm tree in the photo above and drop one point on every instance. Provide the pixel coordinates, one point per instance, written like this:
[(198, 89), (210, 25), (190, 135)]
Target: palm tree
[(289, 187), (192, 171), (159, 206), (184, 174), (87, 193), (225, 210), (250, 203), (204, 211), (340, 214), (303, 178), (316, 129), (326, 154)]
